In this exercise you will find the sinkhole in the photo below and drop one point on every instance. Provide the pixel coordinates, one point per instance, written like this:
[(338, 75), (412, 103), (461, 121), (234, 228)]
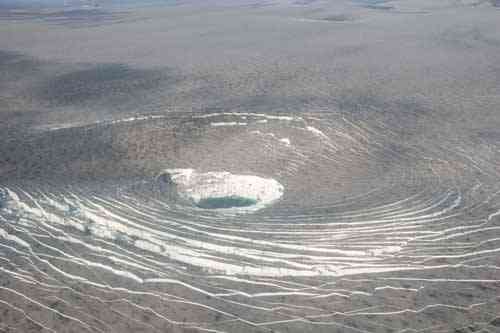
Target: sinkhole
[(220, 189)]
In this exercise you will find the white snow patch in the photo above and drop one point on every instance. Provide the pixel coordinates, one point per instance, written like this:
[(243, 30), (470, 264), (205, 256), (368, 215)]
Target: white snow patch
[(230, 123), (247, 114), (317, 132), (286, 141), (137, 118)]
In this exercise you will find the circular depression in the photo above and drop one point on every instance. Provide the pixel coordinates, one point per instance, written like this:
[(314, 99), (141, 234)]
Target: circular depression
[(219, 190), (144, 202)]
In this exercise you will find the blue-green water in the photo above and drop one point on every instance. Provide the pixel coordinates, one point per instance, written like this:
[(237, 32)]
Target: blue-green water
[(225, 202)]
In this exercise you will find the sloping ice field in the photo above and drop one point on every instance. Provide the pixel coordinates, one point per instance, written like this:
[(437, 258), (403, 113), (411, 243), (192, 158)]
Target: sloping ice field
[(315, 166)]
